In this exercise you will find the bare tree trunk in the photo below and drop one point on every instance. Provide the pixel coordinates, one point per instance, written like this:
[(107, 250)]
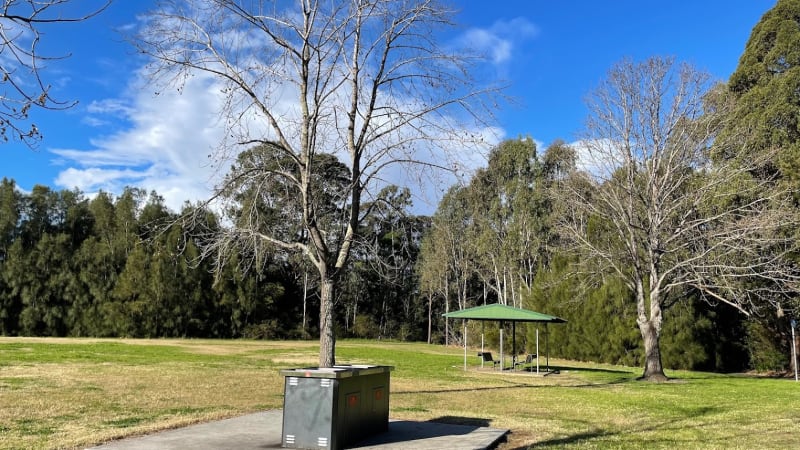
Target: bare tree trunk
[(505, 289), (650, 328), (327, 339), (462, 302), (305, 301), (514, 296), (430, 315), (446, 310), (355, 313), (653, 368)]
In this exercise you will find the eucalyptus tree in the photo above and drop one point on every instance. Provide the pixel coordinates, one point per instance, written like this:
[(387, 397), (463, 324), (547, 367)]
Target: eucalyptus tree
[(432, 269), (364, 80), (509, 211), (390, 240), (674, 220), (445, 264), (21, 31)]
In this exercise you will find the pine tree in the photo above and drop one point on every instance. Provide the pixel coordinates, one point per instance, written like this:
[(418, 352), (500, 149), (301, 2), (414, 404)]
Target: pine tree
[(10, 205), (766, 85), (766, 89)]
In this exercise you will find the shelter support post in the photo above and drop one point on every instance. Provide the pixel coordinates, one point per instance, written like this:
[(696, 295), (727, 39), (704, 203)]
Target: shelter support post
[(513, 345), (547, 345), (483, 329), (502, 364), (465, 345), (537, 350)]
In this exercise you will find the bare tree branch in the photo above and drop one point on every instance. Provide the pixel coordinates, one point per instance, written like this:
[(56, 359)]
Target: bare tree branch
[(21, 63), (362, 80), (655, 207)]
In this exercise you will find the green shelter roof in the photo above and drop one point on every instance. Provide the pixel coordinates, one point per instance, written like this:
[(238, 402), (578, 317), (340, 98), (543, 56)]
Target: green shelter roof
[(502, 312)]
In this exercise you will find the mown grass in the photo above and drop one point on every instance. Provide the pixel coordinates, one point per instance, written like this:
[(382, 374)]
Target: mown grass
[(71, 393)]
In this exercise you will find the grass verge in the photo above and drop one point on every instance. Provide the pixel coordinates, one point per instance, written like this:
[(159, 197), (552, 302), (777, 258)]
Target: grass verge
[(71, 393)]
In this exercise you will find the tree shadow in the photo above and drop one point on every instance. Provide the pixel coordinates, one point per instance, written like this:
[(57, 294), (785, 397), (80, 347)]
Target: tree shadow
[(458, 420), (588, 370), (579, 438), (514, 386), (472, 389), (594, 437), (448, 428)]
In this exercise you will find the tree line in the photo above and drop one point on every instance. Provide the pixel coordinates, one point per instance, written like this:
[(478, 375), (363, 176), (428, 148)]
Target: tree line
[(127, 266)]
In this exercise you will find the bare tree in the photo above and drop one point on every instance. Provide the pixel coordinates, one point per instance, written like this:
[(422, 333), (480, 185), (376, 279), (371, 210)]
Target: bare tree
[(21, 63), (364, 80), (654, 206)]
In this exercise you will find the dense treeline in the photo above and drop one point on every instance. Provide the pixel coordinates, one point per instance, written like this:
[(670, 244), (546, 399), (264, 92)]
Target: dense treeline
[(126, 266), (602, 326)]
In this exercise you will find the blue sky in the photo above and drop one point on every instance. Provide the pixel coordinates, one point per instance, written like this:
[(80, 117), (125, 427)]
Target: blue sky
[(551, 53)]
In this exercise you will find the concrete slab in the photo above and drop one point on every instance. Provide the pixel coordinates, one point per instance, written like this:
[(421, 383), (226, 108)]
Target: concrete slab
[(263, 431)]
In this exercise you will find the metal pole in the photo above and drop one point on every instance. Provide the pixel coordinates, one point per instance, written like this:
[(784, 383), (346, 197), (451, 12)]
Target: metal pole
[(793, 323), (465, 346), (537, 349), (502, 362), (547, 343), (513, 345)]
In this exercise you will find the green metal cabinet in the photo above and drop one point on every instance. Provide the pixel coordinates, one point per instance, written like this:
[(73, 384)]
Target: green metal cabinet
[(330, 408)]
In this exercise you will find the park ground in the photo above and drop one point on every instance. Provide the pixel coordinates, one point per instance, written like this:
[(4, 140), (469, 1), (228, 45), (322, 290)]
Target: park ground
[(71, 393)]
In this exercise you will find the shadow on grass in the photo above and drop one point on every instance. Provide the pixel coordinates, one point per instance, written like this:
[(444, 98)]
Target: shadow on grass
[(513, 386), (458, 420), (580, 438), (472, 389), (454, 427), (676, 424), (588, 370)]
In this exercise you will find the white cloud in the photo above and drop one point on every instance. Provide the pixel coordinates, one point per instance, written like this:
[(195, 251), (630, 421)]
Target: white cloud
[(169, 141), (109, 106), (497, 41), (428, 182), (165, 148), (598, 157), (485, 41), (94, 121)]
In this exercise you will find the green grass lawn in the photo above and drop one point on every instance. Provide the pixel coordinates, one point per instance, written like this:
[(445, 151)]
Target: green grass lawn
[(71, 393)]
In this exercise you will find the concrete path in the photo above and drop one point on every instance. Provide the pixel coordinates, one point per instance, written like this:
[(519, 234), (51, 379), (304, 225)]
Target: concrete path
[(263, 431)]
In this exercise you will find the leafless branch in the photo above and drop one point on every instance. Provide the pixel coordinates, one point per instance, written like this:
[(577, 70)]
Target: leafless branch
[(364, 81), (21, 63)]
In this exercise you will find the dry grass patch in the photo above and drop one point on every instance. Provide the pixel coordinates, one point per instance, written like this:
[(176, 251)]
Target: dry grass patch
[(71, 402), (66, 393)]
